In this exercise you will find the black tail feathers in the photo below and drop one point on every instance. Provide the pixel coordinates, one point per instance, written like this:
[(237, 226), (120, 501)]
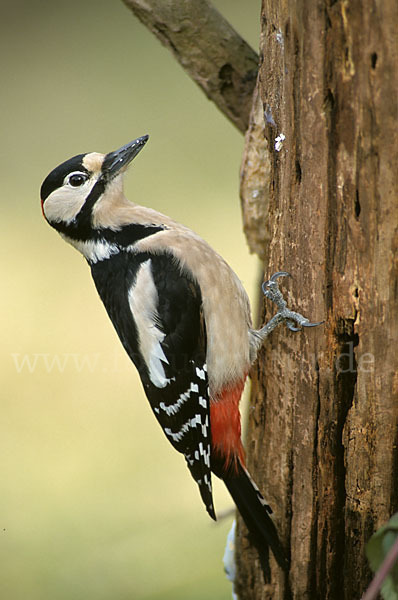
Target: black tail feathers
[(256, 515)]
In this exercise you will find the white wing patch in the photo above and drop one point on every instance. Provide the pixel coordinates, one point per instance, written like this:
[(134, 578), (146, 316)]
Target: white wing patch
[(143, 300)]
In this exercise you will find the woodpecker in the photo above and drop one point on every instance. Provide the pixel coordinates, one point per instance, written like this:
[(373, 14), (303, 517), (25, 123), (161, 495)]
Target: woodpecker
[(182, 316)]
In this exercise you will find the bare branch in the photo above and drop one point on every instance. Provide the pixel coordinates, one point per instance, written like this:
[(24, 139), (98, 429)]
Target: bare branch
[(208, 48)]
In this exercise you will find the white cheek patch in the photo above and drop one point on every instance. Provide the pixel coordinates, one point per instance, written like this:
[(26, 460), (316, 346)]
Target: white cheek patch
[(66, 202), (143, 300)]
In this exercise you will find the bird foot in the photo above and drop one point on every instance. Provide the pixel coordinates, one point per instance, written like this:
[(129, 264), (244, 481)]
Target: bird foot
[(294, 321)]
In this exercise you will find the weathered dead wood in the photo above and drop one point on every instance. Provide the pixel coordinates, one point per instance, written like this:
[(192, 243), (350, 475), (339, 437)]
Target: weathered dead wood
[(324, 422), (254, 178), (208, 48)]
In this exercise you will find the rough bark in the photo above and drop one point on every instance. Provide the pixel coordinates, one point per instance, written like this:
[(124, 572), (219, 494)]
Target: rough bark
[(323, 424), (208, 48)]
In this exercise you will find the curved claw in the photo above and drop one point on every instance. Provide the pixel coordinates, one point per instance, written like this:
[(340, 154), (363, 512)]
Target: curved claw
[(312, 324), (275, 276), (273, 279), (290, 325)]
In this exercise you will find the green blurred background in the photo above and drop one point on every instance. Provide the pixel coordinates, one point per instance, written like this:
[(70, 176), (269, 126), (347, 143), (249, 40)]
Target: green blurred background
[(94, 503)]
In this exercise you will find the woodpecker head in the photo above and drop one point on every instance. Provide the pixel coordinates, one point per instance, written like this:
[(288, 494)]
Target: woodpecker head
[(72, 191)]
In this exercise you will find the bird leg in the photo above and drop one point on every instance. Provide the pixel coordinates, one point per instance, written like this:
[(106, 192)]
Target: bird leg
[(272, 292)]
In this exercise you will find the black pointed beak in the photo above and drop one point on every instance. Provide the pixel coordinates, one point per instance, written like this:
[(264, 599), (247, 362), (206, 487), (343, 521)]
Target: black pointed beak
[(117, 161)]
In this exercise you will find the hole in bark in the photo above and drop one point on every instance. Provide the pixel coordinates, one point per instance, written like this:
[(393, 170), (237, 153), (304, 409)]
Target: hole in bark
[(225, 74), (357, 205), (373, 59), (296, 48), (329, 101), (345, 332), (287, 30), (345, 373), (298, 171)]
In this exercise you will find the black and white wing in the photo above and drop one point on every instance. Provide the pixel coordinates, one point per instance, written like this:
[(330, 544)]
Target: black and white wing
[(157, 312)]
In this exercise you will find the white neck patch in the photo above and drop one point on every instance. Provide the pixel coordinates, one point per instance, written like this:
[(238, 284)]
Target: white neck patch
[(93, 250)]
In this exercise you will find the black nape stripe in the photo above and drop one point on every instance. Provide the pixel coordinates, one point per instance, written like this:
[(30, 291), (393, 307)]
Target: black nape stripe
[(129, 234), (82, 231)]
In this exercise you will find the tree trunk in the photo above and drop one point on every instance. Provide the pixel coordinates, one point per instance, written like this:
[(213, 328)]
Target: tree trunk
[(323, 425)]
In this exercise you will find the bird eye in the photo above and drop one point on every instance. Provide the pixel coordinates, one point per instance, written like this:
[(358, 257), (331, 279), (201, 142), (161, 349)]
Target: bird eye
[(76, 179)]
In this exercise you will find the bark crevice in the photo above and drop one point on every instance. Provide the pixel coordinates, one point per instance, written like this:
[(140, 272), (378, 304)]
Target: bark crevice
[(330, 394)]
